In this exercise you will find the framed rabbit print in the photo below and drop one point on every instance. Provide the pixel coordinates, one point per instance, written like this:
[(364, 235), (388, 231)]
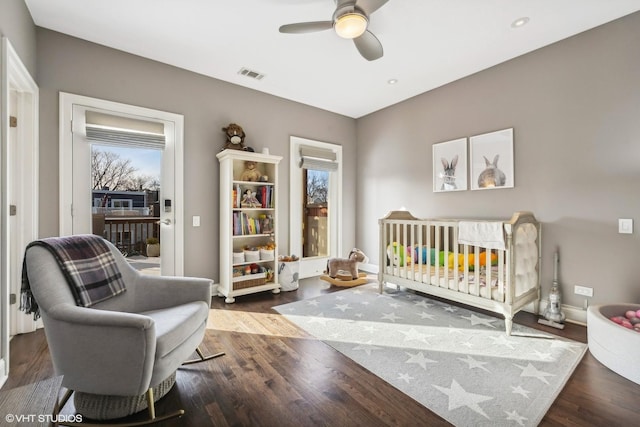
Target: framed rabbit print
[(450, 165), (492, 160)]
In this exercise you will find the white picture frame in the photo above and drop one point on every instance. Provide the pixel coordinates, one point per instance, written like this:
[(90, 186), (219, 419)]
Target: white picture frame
[(450, 165), (491, 160)]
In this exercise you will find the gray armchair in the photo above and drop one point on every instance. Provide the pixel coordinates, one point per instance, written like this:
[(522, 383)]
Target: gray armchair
[(121, 349)]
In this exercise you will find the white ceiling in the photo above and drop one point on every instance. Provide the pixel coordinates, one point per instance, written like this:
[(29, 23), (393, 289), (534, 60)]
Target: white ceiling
[(427, 43)]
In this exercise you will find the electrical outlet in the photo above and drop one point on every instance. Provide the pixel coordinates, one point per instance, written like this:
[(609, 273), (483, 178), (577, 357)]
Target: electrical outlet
[(196, 221), (583, 290)]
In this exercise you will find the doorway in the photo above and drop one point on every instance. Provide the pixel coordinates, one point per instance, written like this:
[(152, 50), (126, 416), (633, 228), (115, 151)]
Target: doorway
[(315, 203), (19, 188), (132, 213)]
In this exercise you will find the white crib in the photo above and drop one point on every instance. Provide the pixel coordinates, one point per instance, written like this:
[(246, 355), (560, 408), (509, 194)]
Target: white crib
[(426, 256)]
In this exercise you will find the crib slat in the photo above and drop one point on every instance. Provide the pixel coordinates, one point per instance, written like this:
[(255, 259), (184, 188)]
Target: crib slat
[(489, 271), (476, 271), (456, 261)]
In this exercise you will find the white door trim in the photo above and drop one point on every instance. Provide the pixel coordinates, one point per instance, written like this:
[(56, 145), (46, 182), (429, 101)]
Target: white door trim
[(22, 182), (315, 266), (67, 100)]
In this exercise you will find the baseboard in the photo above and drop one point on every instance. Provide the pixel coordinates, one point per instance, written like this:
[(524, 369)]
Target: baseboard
[(368, 268), (573, 314)]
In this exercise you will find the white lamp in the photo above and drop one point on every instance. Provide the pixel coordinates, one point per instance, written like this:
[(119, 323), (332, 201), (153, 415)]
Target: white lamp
[(351, 25)]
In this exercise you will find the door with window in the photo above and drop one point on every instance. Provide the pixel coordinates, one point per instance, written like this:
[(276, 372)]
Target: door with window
[(126, 172), (315, 208)]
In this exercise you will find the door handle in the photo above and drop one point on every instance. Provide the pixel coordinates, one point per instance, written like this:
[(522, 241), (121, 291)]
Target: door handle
[(166, 221)]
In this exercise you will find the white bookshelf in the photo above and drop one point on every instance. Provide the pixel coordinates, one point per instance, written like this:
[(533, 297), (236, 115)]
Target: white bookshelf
[(244, 226)]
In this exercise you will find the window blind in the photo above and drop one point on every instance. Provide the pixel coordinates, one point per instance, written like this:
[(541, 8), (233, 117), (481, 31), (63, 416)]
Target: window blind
[(318, 159), (114, 130)]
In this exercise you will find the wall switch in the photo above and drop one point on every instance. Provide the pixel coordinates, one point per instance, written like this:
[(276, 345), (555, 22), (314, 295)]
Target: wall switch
[(196, 221), (625, 226), (583, 290)]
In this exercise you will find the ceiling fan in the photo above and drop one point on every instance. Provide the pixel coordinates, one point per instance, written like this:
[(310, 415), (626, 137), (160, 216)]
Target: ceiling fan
[(350, 20)]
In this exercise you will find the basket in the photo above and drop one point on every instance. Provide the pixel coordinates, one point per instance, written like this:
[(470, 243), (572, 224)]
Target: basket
[(238, 257), (251, 255), (249, 281), (267, 254)]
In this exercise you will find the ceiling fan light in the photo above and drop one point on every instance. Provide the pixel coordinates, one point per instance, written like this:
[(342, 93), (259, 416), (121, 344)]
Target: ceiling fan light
[(351, 25)]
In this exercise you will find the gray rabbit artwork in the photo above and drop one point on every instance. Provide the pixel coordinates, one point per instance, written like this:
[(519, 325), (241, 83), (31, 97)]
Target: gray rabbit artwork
[(491, 176), (449, 174)]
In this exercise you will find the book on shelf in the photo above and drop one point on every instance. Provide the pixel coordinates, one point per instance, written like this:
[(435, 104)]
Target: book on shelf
[(265, 196), (245, 225)]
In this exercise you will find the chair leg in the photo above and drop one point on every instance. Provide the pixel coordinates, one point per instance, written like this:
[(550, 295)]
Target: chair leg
[(202, 357), (151, 420)]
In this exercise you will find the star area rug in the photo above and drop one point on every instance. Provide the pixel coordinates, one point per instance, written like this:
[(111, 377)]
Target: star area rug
[(458, 363)]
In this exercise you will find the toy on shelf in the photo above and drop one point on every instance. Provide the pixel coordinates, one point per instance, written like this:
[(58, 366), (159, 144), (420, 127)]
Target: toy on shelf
[(344, 271), (250, 172), (235, 137)]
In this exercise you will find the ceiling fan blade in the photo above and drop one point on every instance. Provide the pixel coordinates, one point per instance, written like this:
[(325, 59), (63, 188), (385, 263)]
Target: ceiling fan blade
[(370, 6), (306, 27), (369, 46)]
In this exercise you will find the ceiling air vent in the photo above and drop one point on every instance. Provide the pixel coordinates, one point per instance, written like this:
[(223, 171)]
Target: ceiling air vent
[(250, 73)]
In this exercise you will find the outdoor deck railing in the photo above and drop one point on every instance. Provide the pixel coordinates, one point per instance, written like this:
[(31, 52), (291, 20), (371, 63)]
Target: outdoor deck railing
[(129, 234)]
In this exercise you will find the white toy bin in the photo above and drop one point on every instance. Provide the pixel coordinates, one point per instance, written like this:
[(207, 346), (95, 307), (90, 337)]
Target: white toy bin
[(611, 344)]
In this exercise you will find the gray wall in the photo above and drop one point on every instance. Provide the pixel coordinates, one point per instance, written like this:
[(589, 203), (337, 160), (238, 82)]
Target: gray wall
[(575, 110), (72, 65), (16, 24)]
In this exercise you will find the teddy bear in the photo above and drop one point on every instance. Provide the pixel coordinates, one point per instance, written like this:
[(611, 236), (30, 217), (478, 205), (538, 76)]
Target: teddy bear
[(250, 172), (235, 137)]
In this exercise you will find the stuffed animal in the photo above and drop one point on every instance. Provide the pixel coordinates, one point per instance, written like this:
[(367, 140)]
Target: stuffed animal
[(235, 137), (397, 254), (250, 173)]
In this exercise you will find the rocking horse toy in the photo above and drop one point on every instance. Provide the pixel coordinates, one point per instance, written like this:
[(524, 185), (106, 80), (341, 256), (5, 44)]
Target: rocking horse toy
[(344, 271)]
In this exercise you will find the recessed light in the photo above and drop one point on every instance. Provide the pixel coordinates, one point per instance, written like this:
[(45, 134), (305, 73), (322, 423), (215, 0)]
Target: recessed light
[(520, 22), (392, 81)]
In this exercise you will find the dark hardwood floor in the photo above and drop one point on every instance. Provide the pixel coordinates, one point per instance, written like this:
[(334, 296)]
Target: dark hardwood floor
[(275, 375)]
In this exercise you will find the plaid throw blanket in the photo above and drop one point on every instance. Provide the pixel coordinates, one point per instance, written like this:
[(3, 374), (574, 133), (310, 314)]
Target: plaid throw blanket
[(87, 264)]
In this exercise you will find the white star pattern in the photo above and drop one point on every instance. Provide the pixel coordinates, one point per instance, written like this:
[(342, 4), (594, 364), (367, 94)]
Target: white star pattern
[(339, 297), (405, 377), (390, 316), (473, 363), (514, 416), (370, 329), (475, 320), (419, 359), (467, 344), (413, 335), (313, 303), (423, 303), (318, 318), (543, 356), (450, 309), (519, 390), (459, 397), (533, 372), (394, 305), (503, 340), (366, 347), (342, 307), (424, 315)]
